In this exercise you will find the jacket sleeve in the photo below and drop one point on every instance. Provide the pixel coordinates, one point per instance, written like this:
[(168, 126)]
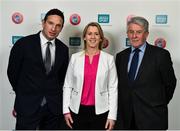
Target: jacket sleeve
[(15, 64), (113, 90), (167, 74), (63, 70), (67, 88)]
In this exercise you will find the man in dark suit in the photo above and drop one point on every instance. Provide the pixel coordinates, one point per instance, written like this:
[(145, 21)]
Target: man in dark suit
[(36, 71), (146, 81)]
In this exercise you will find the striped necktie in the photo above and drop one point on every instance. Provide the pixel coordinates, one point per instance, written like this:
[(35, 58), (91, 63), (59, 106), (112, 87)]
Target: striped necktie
[(134, 65)]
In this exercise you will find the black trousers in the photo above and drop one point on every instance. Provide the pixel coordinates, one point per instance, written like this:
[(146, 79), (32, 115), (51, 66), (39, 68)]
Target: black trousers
[(133, 125), (88, 120), (43, 119)]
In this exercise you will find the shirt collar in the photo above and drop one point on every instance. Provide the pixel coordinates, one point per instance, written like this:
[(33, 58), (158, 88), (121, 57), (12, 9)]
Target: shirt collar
[(44, 40), (142, 47)]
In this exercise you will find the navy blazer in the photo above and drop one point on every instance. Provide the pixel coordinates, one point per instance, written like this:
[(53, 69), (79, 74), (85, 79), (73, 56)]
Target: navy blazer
[(151, 91), (27, 75)]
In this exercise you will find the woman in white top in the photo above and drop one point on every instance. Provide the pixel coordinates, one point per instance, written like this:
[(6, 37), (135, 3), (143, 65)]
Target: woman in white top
[(90, 88)]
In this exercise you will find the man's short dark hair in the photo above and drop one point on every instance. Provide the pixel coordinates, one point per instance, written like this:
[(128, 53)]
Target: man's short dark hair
[(54, 12)]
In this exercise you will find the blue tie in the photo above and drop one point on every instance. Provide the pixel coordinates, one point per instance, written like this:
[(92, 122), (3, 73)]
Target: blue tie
[(134, 64)]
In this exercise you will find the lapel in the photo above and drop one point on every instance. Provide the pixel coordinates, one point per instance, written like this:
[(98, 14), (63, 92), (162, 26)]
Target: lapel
[(37, 49), (124, 63), (101, 65), (145, 61), (80, 67), (79, 61), (58, 56)]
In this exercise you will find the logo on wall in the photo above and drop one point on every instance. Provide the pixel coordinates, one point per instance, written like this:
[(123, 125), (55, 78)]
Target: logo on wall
[(74, 41), (42, 16), (15, 38), (17, 18), (129, 18), (161, 19), (128, 42), (160, 42), (103, 18), (105, 43), (75, 19)]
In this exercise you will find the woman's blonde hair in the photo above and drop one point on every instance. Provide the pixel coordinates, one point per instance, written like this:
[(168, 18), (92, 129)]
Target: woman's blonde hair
[(100, 33)]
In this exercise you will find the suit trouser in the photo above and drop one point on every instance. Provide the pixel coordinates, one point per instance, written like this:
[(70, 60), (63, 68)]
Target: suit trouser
[(86, 119), (133, 125), (43, 119)]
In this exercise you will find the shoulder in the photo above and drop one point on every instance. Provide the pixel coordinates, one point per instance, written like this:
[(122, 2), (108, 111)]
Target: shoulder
[(123, 52), (61, 44), (106, 55), (77, 57), (78, 54), (157, 50), (26, 40)]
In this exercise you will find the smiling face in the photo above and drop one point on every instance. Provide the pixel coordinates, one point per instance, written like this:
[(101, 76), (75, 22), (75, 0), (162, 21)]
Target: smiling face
[(92, 37), (52, 26), (137, 35)]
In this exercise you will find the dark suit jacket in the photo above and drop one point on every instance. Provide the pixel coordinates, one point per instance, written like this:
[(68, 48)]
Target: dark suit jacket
[(27, 75), (150, 93)]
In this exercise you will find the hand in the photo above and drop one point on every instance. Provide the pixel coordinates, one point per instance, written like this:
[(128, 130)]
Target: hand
[(14, 113), (109, 124), (68, 119)]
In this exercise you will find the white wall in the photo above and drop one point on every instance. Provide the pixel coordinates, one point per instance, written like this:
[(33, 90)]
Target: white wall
[(0, 65), (174, 106), (115, 31)]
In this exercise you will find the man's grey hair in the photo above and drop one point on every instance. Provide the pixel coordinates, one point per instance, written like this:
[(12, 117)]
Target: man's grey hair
[(139, 21)]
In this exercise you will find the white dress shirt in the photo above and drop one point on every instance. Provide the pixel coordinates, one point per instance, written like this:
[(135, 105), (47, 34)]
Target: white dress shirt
[(44, 45)]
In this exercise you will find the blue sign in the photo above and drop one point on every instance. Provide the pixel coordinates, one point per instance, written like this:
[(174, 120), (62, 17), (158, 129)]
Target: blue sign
[(128, 42), (103, 18), (74, 41), (42, 16), (161, 19), (15, 38)]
